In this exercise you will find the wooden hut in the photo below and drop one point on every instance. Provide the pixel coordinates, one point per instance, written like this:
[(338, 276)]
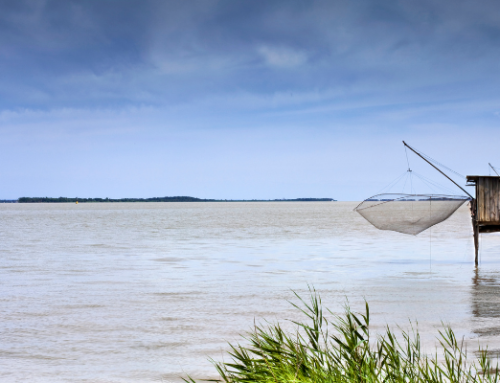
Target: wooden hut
[(485, 208)]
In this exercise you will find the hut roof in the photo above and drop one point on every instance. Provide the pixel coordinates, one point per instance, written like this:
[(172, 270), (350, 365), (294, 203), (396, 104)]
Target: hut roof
[(475, 178)]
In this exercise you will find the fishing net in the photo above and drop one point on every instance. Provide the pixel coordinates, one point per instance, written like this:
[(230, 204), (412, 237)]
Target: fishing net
[(408, 213)]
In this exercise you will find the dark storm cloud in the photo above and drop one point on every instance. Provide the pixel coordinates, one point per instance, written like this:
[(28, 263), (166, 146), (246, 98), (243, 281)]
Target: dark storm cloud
[(58, 54)]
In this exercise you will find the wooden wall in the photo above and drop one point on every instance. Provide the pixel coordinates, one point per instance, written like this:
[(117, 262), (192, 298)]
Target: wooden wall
[(488, 200)]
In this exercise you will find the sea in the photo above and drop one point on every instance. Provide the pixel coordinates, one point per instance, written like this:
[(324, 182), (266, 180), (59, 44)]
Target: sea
[(150, 292)]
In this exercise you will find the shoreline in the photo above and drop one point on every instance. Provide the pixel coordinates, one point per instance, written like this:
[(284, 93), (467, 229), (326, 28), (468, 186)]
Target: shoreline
[(154, 199)]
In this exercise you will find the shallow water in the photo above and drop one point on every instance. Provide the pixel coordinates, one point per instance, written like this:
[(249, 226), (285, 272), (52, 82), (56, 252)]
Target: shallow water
[(144, 292)]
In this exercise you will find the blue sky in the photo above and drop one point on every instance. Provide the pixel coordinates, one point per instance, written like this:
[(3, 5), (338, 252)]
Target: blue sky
[(242, 99)]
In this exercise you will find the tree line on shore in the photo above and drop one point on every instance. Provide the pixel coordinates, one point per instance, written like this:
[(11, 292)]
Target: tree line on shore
[(156, 199)]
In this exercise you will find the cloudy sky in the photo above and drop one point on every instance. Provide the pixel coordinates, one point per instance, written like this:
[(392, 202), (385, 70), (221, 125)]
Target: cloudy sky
[(243, 98)]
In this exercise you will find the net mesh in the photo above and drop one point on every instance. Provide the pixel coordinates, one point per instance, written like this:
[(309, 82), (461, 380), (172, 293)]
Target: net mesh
[(408, 213)]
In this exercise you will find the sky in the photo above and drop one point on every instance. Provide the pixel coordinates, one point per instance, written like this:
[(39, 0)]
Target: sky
[(243, 99)]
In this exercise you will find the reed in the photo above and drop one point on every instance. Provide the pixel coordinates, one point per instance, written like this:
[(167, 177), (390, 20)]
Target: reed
[(343, 350)]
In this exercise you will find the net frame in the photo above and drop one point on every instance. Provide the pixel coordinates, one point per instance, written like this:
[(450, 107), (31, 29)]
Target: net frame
[(394, 212)]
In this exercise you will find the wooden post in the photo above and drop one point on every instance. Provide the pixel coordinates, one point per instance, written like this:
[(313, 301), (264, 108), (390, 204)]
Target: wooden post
[(435, 167), (485, 208), (476, 242), (475, 228)]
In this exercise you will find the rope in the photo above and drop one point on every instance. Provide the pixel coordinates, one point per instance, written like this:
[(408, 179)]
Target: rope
[(404, 185), (409, 175), (392, 183), (411, 182), (428, 183), (430, 237), (440, 164), (409, 171), (407, 161), (491, 166), (432, 183)]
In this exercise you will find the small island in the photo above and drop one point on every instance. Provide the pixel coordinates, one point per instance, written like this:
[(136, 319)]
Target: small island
[(158, 199)]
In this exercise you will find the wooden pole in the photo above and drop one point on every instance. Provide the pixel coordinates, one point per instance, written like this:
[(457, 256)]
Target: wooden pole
[(476, 245), (475, 228), (435, 167), (473, 204), (491, 166)]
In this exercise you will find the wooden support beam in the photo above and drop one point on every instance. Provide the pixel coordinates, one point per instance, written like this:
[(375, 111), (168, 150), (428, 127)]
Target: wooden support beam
[(489, 229), (476, 244), (475, 229), (435, 167)]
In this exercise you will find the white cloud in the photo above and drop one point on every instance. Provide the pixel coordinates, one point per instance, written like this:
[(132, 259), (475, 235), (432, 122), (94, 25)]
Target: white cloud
[(282, 56)]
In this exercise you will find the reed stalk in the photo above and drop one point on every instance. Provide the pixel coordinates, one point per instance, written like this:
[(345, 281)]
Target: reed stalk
[(342, 350)]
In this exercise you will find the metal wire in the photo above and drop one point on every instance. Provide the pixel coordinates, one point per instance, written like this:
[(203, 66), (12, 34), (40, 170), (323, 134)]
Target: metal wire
[(440, 164), (393, 183)]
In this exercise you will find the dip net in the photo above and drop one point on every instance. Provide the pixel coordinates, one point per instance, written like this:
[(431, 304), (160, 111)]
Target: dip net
[(409, 213)]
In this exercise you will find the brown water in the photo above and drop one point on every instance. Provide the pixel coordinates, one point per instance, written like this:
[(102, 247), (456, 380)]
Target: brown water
[(146, 292)]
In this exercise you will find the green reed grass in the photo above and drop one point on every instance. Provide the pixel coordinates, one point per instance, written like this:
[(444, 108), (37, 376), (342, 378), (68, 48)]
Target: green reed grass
[(343, 350)]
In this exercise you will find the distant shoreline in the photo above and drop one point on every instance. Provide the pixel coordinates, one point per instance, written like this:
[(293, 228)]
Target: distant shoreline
[(153, 199)]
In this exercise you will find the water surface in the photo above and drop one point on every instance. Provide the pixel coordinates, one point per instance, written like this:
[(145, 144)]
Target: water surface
[(140, 292)]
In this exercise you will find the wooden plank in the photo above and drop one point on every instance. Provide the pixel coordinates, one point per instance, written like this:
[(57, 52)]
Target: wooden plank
[(484, 196), (489, 205), (489, 229), (489, 195), (486, 217), (476, 203), (486, 188), (494, 191), (491, 199), (488, 200), (496, 200), (480, 200), (493, 205)]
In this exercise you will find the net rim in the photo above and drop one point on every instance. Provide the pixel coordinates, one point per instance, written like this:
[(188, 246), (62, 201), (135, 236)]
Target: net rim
[(403, 195)]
